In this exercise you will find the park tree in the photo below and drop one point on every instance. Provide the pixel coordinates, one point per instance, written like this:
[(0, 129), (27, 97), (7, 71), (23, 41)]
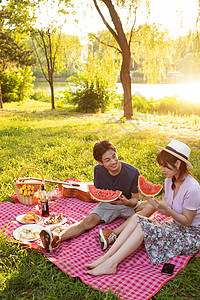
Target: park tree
[(123, 40), (49, 46), (48, 40), (195, 42), (72, 53), (47, 36), (13, 52), (151, 49), (179, 48)]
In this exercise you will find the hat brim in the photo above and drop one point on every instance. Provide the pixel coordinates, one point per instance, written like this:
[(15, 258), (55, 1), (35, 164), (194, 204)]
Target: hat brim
[(190, 166)]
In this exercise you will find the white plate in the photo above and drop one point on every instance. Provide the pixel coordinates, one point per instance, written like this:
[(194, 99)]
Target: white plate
[(34, 229), (63, 221), (19, 219)]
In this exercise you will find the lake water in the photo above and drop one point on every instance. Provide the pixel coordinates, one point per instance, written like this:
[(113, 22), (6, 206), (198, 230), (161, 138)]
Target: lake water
[(183, 91)]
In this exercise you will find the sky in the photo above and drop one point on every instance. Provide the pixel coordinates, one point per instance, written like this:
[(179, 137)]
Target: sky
[(177, 16)]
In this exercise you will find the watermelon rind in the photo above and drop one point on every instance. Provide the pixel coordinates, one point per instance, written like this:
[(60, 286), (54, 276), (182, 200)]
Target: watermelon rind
[(156, 189), (92, 188)]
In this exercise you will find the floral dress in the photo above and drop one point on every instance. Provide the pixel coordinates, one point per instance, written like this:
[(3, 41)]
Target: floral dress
[(164, 240)]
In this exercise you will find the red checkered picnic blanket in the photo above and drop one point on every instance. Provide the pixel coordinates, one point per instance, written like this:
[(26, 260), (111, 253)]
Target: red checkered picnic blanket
[(136, 277)]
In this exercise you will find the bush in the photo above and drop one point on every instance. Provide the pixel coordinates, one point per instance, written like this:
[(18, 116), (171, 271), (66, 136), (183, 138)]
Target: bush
[(141, 104), (173, 105), (165, 105), (16, 84), (96, 82), (90, 99), (41, 95)]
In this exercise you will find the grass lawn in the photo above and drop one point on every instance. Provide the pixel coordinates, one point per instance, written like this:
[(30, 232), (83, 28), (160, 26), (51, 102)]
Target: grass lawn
[(60, 144)]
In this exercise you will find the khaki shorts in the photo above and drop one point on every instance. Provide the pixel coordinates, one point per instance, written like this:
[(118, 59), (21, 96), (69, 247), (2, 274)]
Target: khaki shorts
[(109, 212)]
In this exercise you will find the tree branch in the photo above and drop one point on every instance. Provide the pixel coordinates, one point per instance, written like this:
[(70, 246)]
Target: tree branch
[(106, 23), (43, 72), (122, 40), (130, 40), (98, 39), (46, 52)]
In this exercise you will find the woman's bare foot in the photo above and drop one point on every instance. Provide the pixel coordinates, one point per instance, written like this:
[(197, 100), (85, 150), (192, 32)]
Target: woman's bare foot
[(97, 262), (102, 269)]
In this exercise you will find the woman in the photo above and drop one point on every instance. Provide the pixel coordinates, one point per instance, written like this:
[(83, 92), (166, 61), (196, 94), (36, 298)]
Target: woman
[(163, 240)]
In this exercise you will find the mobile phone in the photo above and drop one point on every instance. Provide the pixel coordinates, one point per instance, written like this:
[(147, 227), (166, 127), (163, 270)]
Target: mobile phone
[(167, 269)]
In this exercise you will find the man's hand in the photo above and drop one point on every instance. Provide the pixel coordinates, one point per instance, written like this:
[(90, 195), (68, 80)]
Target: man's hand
[(127, 202)]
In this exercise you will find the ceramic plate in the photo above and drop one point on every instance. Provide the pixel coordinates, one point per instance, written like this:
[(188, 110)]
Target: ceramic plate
[(63, 221), (19, 219), (27, 233)]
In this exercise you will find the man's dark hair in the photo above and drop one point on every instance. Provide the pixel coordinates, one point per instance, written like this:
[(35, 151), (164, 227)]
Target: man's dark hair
[(101, 147)]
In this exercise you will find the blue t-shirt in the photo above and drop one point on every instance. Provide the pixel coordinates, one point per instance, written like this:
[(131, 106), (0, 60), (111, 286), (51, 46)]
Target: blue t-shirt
[(126, 181)]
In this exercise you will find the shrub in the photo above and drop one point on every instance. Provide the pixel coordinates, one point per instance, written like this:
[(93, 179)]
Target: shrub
[(16, 84), (90, 98), (40, 95), (96, 82), (179, 107), (165, 105)]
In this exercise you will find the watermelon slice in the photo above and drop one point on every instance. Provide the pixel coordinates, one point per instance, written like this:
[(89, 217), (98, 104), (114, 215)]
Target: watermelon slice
[(147, 188), (103, 195)]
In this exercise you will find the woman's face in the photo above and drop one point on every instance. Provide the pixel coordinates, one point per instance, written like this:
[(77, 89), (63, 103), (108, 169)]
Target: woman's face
[(169, 171)]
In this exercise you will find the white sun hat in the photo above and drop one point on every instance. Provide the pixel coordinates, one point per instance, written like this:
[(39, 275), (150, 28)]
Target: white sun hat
[(179, 150)]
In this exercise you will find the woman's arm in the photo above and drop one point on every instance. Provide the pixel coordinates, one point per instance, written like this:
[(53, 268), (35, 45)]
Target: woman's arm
[(184, 219)]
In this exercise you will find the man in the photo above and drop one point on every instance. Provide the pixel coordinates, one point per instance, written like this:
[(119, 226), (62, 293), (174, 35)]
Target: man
[(111, 174)]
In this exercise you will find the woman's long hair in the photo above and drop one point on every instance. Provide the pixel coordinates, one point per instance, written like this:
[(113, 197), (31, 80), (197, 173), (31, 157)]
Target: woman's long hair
[(168, 160)]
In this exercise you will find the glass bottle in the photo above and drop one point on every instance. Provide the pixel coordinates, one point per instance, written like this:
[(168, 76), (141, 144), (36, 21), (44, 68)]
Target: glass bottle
[(44, 202)]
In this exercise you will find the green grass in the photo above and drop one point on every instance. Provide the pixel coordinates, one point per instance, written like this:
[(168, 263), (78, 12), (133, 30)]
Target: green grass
[(60, 144)]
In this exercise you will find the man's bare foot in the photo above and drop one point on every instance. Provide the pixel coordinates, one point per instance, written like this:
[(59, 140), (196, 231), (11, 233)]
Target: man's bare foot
[(97, 262), (102, 269)]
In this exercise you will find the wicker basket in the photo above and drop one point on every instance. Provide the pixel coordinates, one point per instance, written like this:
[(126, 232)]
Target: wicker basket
[(26, 188)]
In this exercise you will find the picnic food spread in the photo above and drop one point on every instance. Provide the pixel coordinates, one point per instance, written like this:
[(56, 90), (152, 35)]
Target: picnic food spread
[(149, 189), (30, 217), (26, 190), (103, 195), (29, 234), (53, 219)]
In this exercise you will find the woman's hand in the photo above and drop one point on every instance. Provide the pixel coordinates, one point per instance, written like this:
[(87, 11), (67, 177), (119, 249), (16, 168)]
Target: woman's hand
[(161, 206)]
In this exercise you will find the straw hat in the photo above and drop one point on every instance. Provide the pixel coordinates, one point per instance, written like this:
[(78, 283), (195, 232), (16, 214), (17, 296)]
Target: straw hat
[(179, 150)]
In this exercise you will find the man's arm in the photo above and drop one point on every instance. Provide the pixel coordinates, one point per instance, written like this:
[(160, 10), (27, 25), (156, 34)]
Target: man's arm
[(128, 202)]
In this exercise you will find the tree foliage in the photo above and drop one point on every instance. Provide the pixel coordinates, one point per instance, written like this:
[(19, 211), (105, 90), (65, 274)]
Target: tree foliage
[(151, 49), (13, 52), (16, 84)]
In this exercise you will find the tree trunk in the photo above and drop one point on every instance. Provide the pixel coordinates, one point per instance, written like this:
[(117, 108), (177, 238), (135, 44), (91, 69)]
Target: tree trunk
[(51, 75), (52, 95), (124, 49), (126, 84), (1, 100)]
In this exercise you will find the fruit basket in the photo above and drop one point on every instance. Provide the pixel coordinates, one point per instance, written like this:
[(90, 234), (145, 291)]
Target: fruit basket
[(28, 188)]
